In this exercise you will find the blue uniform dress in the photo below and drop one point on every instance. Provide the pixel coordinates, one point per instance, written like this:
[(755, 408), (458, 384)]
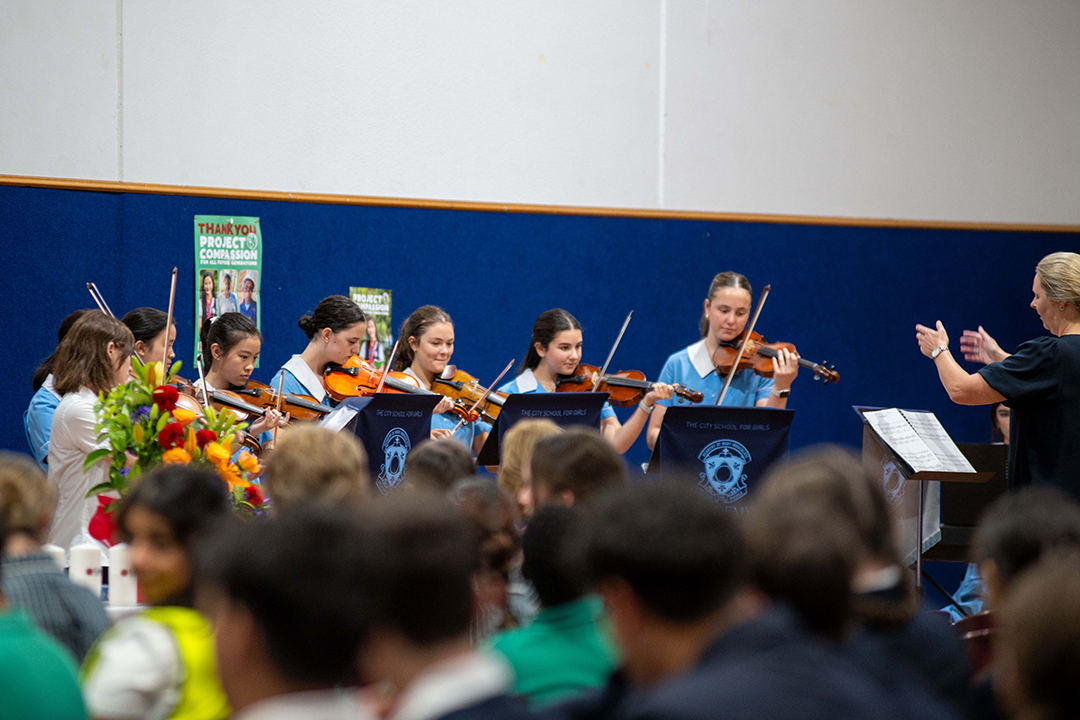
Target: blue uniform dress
[(526, 382), (692, 366), (447, 421), (300, 380), (37, 421)]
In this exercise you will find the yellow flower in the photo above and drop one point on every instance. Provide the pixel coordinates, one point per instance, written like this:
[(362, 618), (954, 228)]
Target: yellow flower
[(231, 474), (153, 373), (137, 434), (176, 456), (216, 453), (248, 462), (191, 444), (183, 416)]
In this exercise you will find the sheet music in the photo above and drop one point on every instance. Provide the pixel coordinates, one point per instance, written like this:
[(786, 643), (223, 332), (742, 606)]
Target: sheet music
[(899, 435), (929, 428), (338, 418)]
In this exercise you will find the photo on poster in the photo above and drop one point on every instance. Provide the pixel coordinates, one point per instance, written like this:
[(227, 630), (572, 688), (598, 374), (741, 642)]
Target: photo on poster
[(249, 295), (379, 340), (228, 268)]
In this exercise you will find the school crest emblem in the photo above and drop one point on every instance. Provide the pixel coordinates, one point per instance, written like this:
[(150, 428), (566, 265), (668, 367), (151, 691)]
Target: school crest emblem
[(395, 447), (724, 479)]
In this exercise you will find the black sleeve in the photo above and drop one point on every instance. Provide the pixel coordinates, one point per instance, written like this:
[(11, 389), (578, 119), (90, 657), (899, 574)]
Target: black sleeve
[(1028, 374)]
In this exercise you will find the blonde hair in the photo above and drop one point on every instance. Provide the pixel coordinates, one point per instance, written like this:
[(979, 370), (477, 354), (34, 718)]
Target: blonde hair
[(1059, 274), (25, 497), (310, 464), (517, 449)]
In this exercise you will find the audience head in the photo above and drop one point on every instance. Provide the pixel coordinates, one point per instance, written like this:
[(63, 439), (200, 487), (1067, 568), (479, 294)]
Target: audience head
[(435, 465), (515, 457), (573, 467), (1037, 649), (25, 497), (553, 561), (164, 518), (95, 354), (312, 464), (999, 423), (1018, 529), (285, 599), (46, 367)]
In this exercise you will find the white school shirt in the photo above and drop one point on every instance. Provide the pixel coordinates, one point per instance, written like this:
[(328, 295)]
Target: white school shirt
[(297, 372)]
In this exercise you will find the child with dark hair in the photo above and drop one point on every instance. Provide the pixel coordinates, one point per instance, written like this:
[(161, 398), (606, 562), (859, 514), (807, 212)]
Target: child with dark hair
[(435, 465), (566, 648), (285, 600), (573, 467), (160, 663), (419, 559), (147, 325)]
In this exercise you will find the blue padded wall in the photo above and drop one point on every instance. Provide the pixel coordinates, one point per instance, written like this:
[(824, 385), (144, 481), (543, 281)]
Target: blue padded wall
[(847, 295)]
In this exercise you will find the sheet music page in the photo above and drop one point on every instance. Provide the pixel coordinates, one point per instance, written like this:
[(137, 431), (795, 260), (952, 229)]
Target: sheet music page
[(898, 434), (929, 428), (338, 418)]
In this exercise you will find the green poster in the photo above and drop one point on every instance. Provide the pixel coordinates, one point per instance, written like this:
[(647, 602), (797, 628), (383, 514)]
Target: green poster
[(228, 268), (379, 340)]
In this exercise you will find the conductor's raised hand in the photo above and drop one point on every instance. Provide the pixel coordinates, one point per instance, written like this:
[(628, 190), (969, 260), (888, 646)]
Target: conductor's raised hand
[(931, 338), (978, 346)]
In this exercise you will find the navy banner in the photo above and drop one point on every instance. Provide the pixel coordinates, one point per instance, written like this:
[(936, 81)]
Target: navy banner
[(388, 425), (728, 448), (564, 409)]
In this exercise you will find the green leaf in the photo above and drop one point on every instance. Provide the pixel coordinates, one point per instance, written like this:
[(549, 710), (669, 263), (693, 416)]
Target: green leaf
[(100, 488), (93, 457)]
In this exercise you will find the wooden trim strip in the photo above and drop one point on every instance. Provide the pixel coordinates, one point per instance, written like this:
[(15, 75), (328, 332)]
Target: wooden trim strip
[(334, 199)]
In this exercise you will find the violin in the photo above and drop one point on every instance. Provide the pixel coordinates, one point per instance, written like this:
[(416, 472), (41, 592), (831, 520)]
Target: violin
[(460, 385), (190, 398), (299, 407), (758, 357), (358, 378), (624, 388)]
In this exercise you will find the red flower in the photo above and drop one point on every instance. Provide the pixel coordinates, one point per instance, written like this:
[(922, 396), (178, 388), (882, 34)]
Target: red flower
[(205, 436), (254, 495), (102, 526), (165, 397), (171, 435)]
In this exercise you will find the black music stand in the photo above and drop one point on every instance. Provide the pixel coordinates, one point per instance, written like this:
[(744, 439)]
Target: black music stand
[(564, 409)]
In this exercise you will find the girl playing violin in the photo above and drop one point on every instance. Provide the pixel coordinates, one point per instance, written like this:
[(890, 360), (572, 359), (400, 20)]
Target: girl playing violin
[(230, 346), (726, 312), (148, 326), (555, 351), (425, 347), (334, 332)]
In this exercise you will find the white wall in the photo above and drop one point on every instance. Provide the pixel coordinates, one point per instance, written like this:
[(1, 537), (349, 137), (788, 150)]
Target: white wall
[(867, 108)]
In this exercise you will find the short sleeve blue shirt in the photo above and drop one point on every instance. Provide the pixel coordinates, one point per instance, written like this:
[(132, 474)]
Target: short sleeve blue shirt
[(693, 368), (526, 382), (37, 421)]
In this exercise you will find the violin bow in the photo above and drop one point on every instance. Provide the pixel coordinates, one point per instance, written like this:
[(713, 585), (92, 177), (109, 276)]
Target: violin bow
[(168, 324), (99, 299), (742, 348), (202, 379), (603, 370), (389, 364), (486, 393), (280, 387)]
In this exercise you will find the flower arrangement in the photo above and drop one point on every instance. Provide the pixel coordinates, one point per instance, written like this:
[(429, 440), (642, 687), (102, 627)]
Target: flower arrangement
[(146, 423)]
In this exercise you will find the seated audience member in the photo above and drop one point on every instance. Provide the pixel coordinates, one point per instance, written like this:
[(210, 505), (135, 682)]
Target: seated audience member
[(419, 557), (493, 520), (313, 464), (283, 599), (899, 645), (160, 663), (697, 641), (37, 420), (71, 614), (566, 649), (516, 455), (435, 465), (37, 677), (1037, 658), (574, 466)]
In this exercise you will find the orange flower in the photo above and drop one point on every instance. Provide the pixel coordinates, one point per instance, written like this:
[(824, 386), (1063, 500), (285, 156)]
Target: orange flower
[(216, 453), (248, 462), (176, 456), (183, 416), (231, 474)]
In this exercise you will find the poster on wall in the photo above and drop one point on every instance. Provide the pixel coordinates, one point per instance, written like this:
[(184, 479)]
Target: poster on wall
[(228, 268), (379, 342)]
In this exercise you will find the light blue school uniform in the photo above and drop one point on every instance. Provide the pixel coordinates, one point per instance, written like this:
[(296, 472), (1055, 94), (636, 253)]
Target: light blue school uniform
[(37, 421), (465, 434), (526, 382), (693, 367), (299, 379)]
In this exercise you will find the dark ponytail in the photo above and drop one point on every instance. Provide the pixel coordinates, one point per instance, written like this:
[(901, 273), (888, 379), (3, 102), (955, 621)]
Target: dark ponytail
[(46, 367), (145, 323), (336, 312), (415, 326), (546, 327), (727, 279), (225, 331)]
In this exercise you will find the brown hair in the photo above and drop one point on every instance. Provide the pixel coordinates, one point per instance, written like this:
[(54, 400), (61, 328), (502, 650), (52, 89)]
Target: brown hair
[(517, 449), (547, 326), (728, 279), (82, 359), (25, 496), (312, 464), (1059, 274), (578, 460), (415, 326), (437, 464)]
